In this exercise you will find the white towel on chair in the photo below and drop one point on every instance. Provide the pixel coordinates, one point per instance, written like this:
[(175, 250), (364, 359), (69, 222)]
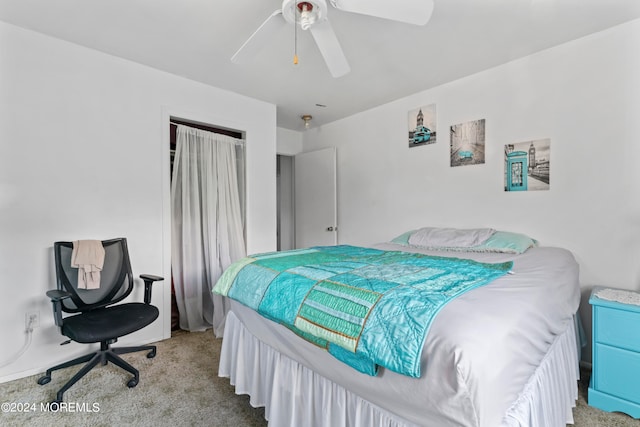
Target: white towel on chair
[(88, 257)]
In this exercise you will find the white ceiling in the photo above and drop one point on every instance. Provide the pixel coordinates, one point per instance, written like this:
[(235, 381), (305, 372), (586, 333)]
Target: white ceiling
[(389, 60)]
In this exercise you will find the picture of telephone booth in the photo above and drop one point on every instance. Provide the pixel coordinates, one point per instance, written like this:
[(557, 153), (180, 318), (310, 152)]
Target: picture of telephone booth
[(517, 167)]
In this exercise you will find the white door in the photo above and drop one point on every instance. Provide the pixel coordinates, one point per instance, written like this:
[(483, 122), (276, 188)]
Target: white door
[(315, 198)]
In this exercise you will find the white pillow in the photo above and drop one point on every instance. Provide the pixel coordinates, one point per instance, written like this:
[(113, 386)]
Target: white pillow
[(450, 237)]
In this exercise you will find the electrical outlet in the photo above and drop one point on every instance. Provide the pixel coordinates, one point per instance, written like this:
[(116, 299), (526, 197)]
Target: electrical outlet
[(32, 319)]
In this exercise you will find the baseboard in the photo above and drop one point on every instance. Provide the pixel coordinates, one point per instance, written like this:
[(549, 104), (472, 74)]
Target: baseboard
[(22, 374)]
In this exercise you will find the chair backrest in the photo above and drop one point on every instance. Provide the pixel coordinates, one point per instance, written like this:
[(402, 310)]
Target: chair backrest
[(116, 278)]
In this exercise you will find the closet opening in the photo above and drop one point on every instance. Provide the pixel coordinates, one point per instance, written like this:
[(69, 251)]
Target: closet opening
[(207, 178)]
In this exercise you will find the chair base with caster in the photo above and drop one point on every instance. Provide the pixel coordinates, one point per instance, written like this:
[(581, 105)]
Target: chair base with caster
[(103, 356)]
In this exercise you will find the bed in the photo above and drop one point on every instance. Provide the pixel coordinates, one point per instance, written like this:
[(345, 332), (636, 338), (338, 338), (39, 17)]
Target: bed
[(504, 353)]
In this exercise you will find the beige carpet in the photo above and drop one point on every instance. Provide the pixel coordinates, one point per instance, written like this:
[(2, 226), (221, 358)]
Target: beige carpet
[(179, 387), (587, 416)]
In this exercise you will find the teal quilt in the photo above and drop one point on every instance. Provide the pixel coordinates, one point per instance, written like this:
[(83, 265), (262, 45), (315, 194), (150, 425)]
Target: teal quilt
[(367, 307)]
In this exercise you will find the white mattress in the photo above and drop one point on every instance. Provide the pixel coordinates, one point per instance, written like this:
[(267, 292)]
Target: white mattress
[(482, 351)]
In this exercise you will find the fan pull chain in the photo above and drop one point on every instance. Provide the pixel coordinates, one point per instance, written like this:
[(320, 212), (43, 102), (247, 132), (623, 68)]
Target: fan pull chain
[(295, 36)]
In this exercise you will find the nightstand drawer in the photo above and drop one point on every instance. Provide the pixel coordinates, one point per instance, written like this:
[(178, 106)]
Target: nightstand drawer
[(618, 372), (619, 328)]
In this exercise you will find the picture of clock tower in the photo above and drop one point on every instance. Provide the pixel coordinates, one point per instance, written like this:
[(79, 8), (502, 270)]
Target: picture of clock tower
[(422, 123), (532, 157)]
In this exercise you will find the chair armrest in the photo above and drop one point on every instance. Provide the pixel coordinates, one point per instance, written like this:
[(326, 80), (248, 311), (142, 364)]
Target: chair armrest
[(56, 296), (149, 279)]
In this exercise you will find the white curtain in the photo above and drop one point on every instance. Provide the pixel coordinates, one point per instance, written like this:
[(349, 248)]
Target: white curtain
[(207, 207)]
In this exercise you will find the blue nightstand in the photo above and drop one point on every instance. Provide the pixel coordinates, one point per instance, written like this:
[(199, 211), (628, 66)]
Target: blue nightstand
[(615, 379)]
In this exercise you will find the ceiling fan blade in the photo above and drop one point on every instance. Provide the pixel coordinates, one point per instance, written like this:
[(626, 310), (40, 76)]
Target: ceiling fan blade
[(259, 39), (417, 12), (330, 49)]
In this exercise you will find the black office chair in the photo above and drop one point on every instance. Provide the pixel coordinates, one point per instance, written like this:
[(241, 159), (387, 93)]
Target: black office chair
[(98, 318)]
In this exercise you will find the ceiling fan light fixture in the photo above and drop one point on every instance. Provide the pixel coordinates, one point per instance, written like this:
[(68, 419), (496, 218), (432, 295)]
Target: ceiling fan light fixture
[(308, 16)]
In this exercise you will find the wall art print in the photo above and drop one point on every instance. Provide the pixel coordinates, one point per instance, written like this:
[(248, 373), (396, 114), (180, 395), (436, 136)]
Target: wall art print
[(527, 165), (422, 126), (467, 143)]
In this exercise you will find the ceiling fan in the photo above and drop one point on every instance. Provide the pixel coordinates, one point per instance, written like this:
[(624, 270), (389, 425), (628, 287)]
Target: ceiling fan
[(312, 15)]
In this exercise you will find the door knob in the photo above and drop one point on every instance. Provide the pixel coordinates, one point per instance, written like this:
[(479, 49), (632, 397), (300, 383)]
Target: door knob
[(331, 228)]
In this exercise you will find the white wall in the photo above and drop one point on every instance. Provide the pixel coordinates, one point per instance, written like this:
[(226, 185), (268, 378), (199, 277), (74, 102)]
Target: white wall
[(584, 96), (85, 156), (289, 142)]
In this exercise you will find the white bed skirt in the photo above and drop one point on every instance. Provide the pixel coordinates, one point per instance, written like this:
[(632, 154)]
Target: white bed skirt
[(550, 395), (293, 395)]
